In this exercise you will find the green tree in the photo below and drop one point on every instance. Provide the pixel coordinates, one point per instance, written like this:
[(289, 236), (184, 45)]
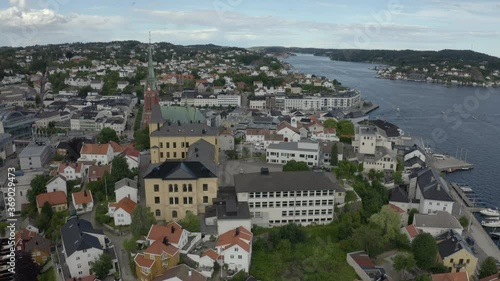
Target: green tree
[(423, 277), (334, 156), (190, 222), (330, 123), (388, 220), (101, 213), (345, 128), (369, 238), (403, 263), (488, 267), (37, 187), (232, 154), (464, 221), (293, 166), (130, 245), (411, 215), (284, 248), (142, 219), (84, 91), (424, 249), (245, 151), (106, 135), (141, 138), (26, 268), (102, 265), (119, 171), (398, 178), (292, 232)]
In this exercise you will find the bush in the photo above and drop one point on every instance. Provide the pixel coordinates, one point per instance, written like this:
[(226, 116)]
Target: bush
[(464, 221)]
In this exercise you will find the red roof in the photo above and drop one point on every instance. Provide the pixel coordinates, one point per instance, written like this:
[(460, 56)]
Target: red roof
[(75, 166), (54, 198), (158, 248), (97, 172), (172, 231), (494, 277), (396, 208), (239, 236), (412, 231), (142, 261), (211, 254), (91, 148), (82, 197), (363, 260), (125, 204), (117, 148), (132, 152), (285, 124)]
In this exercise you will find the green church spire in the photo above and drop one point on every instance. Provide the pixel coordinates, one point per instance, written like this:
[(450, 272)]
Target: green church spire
[(151, 80)]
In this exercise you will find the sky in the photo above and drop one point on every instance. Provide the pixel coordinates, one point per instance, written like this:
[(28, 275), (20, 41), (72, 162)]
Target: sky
[(354, 24)]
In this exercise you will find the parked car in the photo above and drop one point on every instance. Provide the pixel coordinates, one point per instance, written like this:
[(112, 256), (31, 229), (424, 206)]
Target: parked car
[(470, 241)]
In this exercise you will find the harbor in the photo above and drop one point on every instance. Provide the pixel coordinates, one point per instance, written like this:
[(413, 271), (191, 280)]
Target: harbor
[(450, 164)]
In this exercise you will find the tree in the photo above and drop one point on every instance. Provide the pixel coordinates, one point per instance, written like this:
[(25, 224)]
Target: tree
[(26, 268), (293, 166), (403, 263), (330, 123), (334, 156), (245, 151), (424, 249), (464, 221), (345, 128), (488, 267), (141, 138), (101, 266), (106, 135), (84, 91), (292, 232), (411, 215), (388, 220), (190, 222), (398, 178), (284, 248), (423, 277), (37, 187), (232, 154), (120, 170), (142, 219)]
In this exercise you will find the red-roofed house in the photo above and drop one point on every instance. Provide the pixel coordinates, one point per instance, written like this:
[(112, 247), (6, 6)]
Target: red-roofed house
[(494, 277), (57, 200), (156, 260), (22, 237), (236, 247), (173, 231), (121, 211), (451, 276), (410, 231), (101, 153), (97, 172), (290, 133), (364, 266), (132, 157), (71, 171), (83, 201)]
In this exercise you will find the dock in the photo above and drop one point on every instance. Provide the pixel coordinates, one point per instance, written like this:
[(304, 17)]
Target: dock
[(369, 109), (471, 205), (451, 164)]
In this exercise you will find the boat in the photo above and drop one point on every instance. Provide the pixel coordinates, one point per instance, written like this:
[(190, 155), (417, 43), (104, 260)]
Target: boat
[(466, 189), (491, 223), (495, 235), (490, 212)]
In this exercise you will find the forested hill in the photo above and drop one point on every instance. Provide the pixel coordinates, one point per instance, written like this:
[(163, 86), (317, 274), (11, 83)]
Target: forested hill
[(393, 57)]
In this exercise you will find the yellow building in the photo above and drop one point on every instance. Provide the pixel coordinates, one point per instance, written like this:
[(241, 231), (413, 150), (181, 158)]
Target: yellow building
[(57, 200), (455, 254), (176, 187), (156, 260), (172, 141)]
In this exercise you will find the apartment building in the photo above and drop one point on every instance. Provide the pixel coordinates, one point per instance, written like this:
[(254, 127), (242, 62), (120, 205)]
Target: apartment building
[(283, 152)]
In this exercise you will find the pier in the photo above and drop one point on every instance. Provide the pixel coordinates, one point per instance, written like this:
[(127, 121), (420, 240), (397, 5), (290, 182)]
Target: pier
[(369, 109), (465, 199), (450, 164)]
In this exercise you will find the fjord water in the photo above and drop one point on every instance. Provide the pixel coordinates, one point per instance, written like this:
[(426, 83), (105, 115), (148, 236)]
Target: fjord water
[(429, 111)]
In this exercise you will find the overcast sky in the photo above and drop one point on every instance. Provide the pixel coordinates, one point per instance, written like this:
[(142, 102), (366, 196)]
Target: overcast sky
[(360, 24)]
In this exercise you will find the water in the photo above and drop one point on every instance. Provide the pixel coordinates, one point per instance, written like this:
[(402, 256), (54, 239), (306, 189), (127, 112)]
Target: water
[(418, 107)]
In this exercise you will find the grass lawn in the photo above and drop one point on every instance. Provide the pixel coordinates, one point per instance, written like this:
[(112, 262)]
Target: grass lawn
[(49, 275), (321, 257)]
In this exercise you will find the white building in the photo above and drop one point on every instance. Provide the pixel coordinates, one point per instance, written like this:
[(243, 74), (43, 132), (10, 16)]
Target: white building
[(280, 198), (71, 171), (431, 192), (228, 100), (344, 101), (57, 183), (255, 136), (236, 247), (289, 133), (283, 152), (436, 223), (83, 201), (121, 211), (258, 104), (126, 188), (82, 244), (176, 235), (101, 153)]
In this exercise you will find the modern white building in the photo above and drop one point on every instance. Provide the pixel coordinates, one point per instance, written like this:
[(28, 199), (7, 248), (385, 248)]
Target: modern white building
[(35, 156), (225, 100), (283, 152), (236, 248), (280, 198), (344, 101)]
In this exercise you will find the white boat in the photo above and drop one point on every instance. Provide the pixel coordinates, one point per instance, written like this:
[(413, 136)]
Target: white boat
[(490, 212), (466, 189), (491, 223)]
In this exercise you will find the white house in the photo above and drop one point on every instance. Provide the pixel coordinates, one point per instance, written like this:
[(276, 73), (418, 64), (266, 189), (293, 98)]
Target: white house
[(283, 152), (57, 183), (121, 211), (132, 157), (255, 136), (176, 235), (326, 134), (126, 188), (97, 84), (82, 244), (432, 191), (83, 201), (101, 153), (236, 247), (436, 223), (206, 261), (290, 134)]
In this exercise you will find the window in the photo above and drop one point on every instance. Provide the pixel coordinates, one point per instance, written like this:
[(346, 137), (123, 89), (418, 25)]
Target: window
[(283, 213), (205, 188), (171, 200), (161, 154), (190, 188), (184, 188), (232, 256), (175, 154), (174, 214), (167, 144), (236, 249), (185, 200), (182, 144), (176, 188), (190, 200), (170, 188), (205, 199), (240, 257), (176, 200), (174, 145), (156, 187), (77, 258), (157, 200), (183, 154), (168, 154)]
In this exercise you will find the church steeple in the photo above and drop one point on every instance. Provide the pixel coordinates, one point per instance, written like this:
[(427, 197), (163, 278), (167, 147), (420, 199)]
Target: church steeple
[(151, 80)]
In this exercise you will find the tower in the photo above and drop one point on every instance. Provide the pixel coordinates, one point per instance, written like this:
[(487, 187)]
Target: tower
[(151, 93)]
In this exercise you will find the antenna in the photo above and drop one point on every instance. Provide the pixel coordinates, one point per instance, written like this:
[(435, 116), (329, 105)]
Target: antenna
[(150, 38)]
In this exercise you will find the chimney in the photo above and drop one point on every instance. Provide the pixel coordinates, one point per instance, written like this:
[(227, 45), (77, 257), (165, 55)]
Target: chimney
[(264, 171), (172, 229), (189, 272), (85, 193), (203, 131), (165, 240), (237, 231)]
